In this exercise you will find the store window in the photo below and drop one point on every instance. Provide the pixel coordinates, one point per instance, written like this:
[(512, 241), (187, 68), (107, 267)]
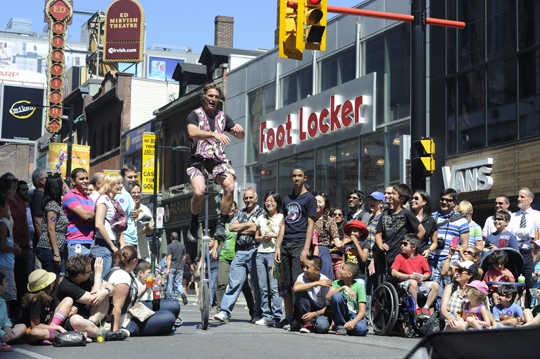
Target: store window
[(389, 56), (529, 92), (502, 100), (326, 171), (528, 24), (372, 161), (260, 102), (286, 166), (338, 69), (471, 39), (501, 28), (268, 178), (297, 86), (347, 171)]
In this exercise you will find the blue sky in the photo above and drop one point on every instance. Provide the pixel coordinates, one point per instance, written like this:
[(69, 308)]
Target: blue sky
[(176, 22)]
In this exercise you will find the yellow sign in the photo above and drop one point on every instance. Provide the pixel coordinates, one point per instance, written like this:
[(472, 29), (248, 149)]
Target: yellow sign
[(148, 157), (80, 157)]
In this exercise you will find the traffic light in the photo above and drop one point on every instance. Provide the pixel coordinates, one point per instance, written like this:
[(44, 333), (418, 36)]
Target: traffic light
[(426, 149), (291, 44), (313, 14)]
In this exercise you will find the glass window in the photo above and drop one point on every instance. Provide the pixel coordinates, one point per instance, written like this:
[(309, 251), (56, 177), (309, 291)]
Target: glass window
[(260, 102), (471, 45), (502, 89), (389, 56), (338, 69), (529, 94), (393, 148), (470, 105), (286, 165), (326, 171), (451, 103), (347, 171), (372, 162), (451, 37), (297, 86), (529, 23), (269, 173), (501, 28)]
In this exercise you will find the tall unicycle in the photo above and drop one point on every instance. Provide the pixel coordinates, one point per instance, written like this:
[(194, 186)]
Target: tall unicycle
[(204, 291)]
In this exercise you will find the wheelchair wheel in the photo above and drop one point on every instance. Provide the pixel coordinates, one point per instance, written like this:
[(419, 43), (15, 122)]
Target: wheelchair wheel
[(384, 308)]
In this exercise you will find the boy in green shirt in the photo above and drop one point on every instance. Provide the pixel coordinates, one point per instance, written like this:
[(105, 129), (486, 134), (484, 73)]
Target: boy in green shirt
[(347, 299)]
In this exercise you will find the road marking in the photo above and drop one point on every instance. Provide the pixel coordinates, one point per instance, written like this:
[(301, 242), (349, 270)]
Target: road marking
[(30, 354)]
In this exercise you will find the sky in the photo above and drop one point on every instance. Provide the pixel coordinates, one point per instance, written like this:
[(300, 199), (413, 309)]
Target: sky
[(175, 22)]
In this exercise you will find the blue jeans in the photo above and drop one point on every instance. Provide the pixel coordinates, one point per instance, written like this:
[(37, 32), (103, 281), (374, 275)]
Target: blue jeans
[(213, 283), (268, 287), (71, 249), (304, 305), (160, 323), (341, 315), (242, 264), (435, 267), (174, 283), (101, 249), (46, 258)]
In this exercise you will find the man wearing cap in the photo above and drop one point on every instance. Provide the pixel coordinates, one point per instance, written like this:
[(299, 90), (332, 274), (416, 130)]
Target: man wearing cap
[(356, 200), (524, 224)]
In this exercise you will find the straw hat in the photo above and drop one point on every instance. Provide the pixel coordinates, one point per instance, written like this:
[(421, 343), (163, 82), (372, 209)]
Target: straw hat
[(40, 279)]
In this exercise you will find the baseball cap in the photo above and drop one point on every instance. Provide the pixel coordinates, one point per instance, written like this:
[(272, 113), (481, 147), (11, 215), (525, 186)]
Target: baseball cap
[(379, 196), (468, 265), (481, 286)]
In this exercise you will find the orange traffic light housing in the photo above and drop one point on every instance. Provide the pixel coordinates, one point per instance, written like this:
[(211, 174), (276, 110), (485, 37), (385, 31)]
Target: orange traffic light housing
[(426, 161)]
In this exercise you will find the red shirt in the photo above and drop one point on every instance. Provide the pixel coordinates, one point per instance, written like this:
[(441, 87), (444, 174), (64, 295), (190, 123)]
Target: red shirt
[(410, 265), (20, 234)]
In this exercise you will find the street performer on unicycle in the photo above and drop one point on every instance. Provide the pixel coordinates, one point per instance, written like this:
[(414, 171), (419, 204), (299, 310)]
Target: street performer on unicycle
[(206, 127)]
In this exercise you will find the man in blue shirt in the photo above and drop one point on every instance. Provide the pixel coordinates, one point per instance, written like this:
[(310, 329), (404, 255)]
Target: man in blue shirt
[(129, 173)]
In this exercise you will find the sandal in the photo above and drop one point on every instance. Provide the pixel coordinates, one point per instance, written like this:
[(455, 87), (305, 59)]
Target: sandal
[(5, 347)]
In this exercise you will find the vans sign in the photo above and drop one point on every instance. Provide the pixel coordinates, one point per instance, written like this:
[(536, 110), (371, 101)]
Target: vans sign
[(470, 176)]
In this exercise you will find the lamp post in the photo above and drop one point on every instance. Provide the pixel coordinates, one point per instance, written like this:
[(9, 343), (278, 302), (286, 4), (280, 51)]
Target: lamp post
[(155, 242), (70, 137)]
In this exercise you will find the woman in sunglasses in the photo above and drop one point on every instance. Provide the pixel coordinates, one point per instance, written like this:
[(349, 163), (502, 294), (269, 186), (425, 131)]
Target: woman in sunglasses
[(421, 207), (472, 254)]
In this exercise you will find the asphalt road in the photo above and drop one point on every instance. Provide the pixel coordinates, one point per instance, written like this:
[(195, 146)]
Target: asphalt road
[(236, 339)]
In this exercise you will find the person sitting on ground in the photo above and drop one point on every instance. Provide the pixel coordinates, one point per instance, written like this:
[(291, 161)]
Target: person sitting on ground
[(497, 272), (43, 313), (347, 300), (413, 270), (143, 271), (501, 238), (311, 289), (454, 294), (9, 333), (474, 312), (126, 296), (507, 313), (90, 295)]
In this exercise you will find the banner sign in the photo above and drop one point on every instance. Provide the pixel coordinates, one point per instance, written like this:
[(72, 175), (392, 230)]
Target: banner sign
[(18, 119), (149, 179), (80, 157), (124, 32)]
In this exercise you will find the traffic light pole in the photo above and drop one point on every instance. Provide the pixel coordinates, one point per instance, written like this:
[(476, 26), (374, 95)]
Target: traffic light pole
[(418, 87)]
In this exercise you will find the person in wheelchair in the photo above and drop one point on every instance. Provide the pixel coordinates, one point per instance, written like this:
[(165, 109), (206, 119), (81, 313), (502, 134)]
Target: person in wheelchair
[(413, 271), (497, 273)]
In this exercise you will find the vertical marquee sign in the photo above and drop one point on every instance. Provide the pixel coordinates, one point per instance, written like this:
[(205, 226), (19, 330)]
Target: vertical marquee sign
[(124, 32), (59, 13)]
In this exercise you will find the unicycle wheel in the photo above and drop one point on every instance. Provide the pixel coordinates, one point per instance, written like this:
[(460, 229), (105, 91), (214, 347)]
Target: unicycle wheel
[(205, 304)]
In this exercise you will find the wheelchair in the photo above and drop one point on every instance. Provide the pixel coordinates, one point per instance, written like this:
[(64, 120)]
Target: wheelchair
[(392, 310)]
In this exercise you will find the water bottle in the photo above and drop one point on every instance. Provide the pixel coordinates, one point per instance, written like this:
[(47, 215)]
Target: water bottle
[(156, 298), (521, 279)]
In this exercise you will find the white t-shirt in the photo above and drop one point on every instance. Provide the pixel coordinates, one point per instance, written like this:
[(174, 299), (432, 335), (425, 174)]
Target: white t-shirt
[(120, 276), (271, 224), (108, 216), (318, 293)]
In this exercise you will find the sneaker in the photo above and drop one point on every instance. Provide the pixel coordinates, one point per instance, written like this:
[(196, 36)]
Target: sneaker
[(118, 335), (282, 323), (222, 317), (261, 322), (341, 331), (272, 323), (220, 231), (418, 312), (294, 327), (425, 313), (184, 298), (308, 328), (193, 232)]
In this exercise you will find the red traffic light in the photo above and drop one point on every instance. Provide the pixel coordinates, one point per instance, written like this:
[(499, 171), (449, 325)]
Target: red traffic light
[(314, 2)]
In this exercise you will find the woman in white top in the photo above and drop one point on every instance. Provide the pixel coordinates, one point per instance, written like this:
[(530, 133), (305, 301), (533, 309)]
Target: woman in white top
[(107, 242), (127, 294), (268, 226)]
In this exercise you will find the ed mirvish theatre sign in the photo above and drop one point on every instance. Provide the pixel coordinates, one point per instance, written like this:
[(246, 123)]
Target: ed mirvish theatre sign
[(337, 114)]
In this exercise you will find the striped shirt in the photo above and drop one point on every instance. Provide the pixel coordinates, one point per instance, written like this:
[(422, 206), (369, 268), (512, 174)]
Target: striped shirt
[(475, 233), (448, 230), (78, 230)]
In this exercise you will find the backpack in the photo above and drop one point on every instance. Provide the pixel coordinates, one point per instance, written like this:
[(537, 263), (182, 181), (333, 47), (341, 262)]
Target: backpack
[(119, 221)]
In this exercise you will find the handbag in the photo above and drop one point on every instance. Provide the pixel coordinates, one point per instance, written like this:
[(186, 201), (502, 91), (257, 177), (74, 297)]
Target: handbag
[(140, 312), (69, 339), (431, 325)]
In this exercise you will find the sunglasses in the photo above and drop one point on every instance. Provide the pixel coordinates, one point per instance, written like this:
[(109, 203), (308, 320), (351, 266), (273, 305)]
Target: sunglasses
[(461, 270), (471, 253), (500, 219), (405, 244), (337, 214), (447, 200)]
